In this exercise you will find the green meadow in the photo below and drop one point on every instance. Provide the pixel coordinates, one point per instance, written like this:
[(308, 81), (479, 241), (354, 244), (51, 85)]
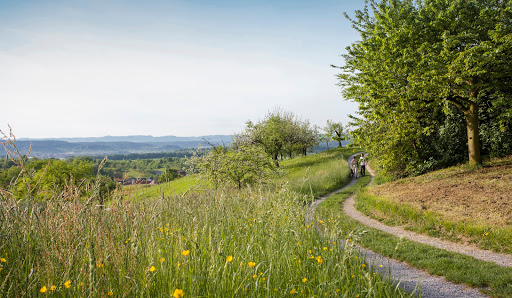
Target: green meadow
[(190, 242)]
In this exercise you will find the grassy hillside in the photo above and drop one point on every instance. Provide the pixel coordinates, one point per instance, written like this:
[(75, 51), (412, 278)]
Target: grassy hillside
[(224, 243), (458, 203), (312, 175), (490, 278)]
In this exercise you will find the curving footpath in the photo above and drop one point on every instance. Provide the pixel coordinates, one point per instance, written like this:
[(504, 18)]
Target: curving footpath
[(406, 277), (477, 253)]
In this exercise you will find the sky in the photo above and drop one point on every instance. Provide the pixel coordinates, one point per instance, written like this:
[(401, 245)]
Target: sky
[(93, 68)]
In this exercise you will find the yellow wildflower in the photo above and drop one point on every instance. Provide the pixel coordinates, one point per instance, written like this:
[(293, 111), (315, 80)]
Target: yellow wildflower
[(264, 279), (152, 269), (43, 289), (292, 291), (251, 264), (110, 293), (162, 260), (309, 251), (325, 248), (380, 266), (179, 265), (178, 293), (229, 259), (319, 259), (99, 265), (321, 221), (304, 280), (254, 276), (337, 290), (185, 252), (67, 284), (307, 227), (298, 243), (3, 260), (53, 288), (364, 265), (82, 284)]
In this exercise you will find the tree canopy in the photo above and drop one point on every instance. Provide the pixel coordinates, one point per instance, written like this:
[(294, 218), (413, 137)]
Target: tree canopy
[(418, 59)]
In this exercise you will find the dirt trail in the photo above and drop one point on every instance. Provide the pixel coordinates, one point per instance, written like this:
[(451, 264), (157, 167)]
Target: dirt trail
[(406, 277), (477, 253)]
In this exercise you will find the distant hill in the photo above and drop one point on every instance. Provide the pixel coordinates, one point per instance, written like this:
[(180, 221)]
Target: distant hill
[(137, 139), (68, 147)]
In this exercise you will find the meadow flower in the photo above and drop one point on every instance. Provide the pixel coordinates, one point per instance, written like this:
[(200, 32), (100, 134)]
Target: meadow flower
[(364, 265), (43, 289), (254, 276), (337, 290), (325, 248), (304, 280), (486, 234), (380, 266), (3, 260), (178, 293), (179, 265), (67, 284), (263, 279), (162, 260), (251, 264), (309, 251), (53, 288), (152, 269), (229, 259), (293, 291), (99, 265), (110, 293), (321, 221), (319, 259), (185, 252)]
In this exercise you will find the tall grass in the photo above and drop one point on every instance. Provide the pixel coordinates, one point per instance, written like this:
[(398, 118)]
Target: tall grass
[(223, 243), (217, 244)]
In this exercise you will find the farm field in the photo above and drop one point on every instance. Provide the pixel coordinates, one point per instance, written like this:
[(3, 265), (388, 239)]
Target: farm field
[(222, 243)]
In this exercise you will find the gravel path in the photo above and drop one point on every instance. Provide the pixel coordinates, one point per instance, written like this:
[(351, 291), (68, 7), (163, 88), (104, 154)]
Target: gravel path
[(406, 277), (477, 253)]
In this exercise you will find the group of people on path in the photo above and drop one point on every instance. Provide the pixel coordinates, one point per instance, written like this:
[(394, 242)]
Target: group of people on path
[(358, 164)]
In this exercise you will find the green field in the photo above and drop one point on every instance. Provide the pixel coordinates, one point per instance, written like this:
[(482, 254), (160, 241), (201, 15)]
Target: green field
[(224, 243)]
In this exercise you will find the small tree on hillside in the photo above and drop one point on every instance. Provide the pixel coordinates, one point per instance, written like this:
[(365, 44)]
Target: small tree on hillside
[(237, 166), (334, 131)]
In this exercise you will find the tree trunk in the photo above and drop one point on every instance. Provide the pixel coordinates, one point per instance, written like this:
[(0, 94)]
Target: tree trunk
[(339, 144), (275, 159), (473, 134)]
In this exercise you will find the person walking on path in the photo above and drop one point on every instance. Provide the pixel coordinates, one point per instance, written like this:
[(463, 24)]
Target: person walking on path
[(362, 162), (354, 166)]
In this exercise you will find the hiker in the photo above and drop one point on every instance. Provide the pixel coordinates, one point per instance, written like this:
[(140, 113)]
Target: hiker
[(362, 162), (353, 165)]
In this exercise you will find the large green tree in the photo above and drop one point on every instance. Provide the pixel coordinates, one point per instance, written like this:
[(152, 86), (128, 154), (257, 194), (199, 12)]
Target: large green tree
[(417, 56), (279, 133)]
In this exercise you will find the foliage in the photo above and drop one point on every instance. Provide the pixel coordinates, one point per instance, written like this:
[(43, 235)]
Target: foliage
[(279, 133), (416, 59), (168, 175), (237, 166), (334, 131)]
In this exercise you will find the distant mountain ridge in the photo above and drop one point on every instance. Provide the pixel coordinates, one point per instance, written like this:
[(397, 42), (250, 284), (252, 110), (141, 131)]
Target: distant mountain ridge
[(93, 146), (136, 139)]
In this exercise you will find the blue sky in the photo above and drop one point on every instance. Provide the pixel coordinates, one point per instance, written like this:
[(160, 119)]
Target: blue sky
[(186, 68)]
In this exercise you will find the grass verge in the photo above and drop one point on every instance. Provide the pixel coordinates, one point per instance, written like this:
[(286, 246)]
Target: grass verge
[(492, 279)]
